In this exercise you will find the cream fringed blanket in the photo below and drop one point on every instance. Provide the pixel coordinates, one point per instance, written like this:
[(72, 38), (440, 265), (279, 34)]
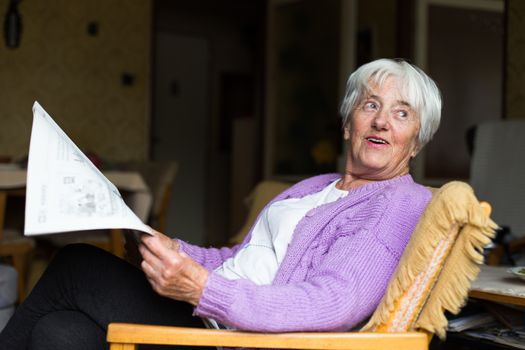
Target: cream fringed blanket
[(439, 264)]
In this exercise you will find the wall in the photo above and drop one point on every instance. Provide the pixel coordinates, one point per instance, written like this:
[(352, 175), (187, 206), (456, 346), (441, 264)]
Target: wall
[(515, 67), (77, 77)]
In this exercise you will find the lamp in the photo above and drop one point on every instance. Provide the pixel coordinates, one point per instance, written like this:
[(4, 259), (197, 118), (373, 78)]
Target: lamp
[(13, 25)]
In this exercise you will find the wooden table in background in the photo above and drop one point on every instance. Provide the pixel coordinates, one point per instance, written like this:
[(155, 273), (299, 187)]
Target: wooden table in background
[(136, 194), (495, 283)]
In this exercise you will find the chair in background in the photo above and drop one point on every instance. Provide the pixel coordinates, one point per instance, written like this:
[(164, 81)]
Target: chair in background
[(504, 252), (159, 176), (433, 276), (263, 192), (110, 240), (15, 249), (497, 174)]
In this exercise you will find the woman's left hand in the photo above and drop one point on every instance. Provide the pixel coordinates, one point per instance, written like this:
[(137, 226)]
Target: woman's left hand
[(171, 273)]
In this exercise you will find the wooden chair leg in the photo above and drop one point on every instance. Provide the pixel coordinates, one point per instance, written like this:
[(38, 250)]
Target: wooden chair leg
[(117, 242), (3, 201), (20, 264), (19, 253)]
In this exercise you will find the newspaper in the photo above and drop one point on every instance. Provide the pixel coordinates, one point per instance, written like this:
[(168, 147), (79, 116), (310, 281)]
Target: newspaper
[(513, 339), (477, 320), (65, 191)]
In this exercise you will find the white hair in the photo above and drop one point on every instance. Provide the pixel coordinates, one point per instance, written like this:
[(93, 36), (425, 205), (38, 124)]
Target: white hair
[(417, 88)]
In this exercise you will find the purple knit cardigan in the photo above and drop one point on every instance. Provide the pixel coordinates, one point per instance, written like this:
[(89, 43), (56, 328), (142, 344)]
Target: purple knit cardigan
[(337, 266)]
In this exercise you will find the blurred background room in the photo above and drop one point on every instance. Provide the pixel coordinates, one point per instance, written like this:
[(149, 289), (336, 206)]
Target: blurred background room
[(233, 92)]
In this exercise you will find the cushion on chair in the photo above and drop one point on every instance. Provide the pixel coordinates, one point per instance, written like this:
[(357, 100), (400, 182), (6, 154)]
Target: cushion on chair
[(448, 242)]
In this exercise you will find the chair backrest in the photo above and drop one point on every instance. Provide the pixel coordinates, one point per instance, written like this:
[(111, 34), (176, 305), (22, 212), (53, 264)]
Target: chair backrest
[(438, 265), (497, 173)]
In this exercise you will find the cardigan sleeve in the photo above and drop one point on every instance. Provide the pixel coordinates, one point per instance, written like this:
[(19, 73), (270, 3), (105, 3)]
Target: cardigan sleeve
[(210, 258), (339, 292)]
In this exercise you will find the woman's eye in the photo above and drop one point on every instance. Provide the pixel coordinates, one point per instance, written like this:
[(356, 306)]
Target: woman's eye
[(402, 114), (369, 106)]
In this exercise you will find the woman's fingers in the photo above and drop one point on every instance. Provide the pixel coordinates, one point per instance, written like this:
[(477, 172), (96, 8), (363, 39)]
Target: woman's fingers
[(162, 238), (152, 261), (160, 258), (160, 245)]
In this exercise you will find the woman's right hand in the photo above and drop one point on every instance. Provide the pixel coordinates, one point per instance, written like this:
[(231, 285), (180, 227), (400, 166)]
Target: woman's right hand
[(170, 272)]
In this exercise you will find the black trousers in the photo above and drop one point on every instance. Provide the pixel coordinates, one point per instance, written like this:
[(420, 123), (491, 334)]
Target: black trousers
[(82, 290)]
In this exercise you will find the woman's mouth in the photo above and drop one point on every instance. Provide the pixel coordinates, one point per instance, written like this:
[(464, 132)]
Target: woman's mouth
[(376, 141)]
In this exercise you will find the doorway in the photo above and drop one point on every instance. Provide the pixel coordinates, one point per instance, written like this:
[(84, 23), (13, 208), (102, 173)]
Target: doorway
[(180, 127), (460, 45)]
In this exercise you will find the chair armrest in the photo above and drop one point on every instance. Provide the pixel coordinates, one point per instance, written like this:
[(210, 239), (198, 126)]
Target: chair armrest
[(125, 336)]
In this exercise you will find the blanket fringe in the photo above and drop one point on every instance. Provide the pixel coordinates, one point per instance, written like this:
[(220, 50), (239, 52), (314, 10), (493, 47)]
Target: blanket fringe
[(453, 205)]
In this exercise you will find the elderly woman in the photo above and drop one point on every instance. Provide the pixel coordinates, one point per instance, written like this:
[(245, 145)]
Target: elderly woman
[(319, 257)]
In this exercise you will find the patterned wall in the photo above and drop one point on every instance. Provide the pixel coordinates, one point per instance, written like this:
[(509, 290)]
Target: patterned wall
[(515, 68), (77, 77)]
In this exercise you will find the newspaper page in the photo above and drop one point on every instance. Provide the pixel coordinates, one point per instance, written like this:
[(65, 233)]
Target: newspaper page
[(65, 191)]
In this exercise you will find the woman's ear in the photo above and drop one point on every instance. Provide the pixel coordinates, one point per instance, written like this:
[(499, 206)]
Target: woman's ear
[(415, 150), (346, 132)]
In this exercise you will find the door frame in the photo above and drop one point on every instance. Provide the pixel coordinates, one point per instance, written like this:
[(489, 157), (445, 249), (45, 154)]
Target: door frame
[(347, 63), (421, 58)]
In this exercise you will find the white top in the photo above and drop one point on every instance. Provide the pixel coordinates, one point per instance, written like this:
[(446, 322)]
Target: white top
[(259, 260)]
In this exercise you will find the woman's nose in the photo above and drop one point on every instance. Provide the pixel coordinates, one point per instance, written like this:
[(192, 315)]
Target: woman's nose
[(380, 120)]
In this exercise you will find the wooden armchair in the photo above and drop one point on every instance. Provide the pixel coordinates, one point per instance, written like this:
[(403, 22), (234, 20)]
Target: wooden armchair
[(433, 276)]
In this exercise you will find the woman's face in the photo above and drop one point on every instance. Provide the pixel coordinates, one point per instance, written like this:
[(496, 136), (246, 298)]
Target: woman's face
[(381, 134)]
